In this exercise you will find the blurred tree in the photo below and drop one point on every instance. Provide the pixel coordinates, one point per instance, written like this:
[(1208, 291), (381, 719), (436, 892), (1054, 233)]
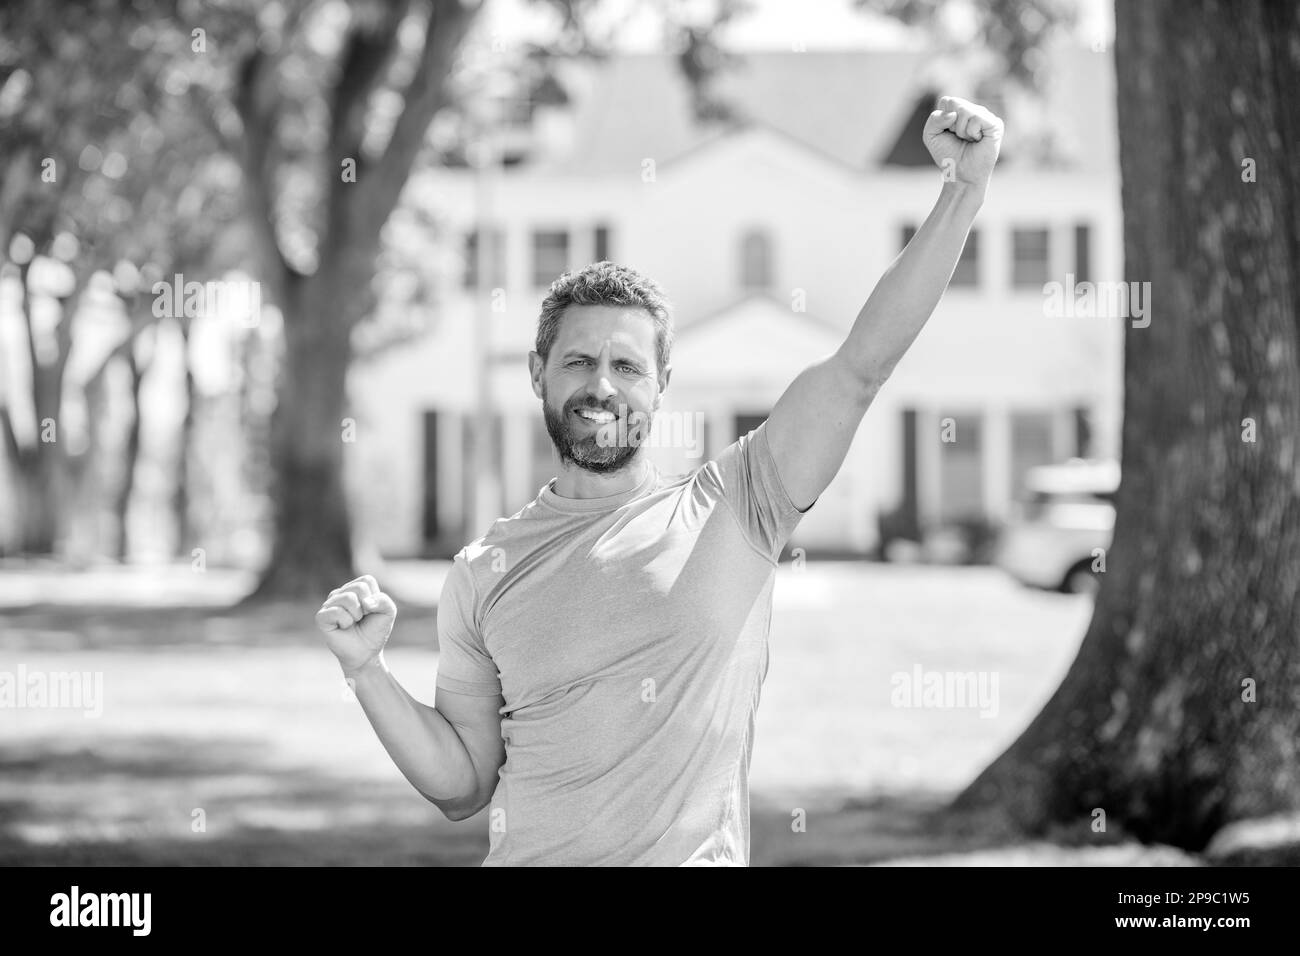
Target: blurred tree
[(66, 85), (1180, 713), (327, 106), (346, 120), (106, 170), (328, 131)]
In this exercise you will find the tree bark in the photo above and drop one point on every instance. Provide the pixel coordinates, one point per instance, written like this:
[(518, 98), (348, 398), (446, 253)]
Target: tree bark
[(1180, 714), (131, 455), (40, 465), (185, 441), (312, 545), (312, 549)]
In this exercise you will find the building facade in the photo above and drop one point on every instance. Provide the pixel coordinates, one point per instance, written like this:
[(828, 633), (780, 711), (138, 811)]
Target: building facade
[(768, 233)]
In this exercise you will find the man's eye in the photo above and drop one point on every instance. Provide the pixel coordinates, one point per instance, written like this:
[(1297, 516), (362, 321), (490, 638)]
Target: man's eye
[(630, 368)]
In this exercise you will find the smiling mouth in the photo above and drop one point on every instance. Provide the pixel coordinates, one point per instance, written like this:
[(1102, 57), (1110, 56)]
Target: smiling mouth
[(595, 416)]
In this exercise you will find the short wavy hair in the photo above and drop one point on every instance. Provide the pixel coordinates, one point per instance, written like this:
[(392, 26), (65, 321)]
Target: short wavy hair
[(604, 283)]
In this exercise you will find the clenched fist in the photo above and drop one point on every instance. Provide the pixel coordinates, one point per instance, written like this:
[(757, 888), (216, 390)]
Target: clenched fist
[(357, 619), (964, 138)]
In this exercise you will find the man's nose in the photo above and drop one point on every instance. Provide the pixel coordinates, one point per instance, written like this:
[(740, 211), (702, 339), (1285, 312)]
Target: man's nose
[(600, 388)]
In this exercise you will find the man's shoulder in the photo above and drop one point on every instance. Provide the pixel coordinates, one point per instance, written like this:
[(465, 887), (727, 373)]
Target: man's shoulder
[(502, 533)]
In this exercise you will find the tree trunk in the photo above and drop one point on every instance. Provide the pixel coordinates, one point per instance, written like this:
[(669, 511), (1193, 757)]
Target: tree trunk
[(39, 478), (131, 454), (312, 551), (181, 491), (1180, 713), (40, 465)]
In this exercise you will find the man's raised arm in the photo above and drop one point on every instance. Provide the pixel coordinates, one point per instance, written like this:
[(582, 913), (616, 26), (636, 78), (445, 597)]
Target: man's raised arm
[(813, 423)]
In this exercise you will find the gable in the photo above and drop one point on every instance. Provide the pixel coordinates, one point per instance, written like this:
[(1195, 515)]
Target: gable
[(758, 146), (756, 339)]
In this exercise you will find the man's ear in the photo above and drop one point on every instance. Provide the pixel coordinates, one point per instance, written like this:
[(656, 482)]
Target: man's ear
[(535, 369), (663, 384)]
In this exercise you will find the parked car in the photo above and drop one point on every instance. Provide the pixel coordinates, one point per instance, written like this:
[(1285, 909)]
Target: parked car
[(1067, 511)]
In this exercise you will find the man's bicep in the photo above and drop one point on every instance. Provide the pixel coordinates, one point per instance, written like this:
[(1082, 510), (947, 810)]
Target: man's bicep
[(477, 721), (812, 427)]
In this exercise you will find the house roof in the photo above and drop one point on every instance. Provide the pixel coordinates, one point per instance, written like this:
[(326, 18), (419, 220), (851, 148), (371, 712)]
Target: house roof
[(860, 108), (848, 105)]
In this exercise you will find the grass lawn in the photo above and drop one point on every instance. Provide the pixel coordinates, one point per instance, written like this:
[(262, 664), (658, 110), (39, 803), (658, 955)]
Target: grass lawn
[(241, 722)]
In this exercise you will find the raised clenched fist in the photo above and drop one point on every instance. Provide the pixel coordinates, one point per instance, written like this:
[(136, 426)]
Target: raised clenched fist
[(356, 620), (964, 139)]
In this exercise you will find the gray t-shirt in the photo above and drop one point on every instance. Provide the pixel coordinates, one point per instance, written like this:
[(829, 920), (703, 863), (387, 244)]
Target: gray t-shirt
[(627, 636)]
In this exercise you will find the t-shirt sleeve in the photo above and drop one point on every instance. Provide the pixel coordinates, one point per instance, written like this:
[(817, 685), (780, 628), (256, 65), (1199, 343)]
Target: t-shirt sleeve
[(753, 489), (464, 665)]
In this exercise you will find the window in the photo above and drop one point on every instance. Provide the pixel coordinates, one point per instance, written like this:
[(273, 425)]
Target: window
[(601, 244), (1031, 445), (755, 260), (1082, 254), (430, 529), (1029, 258), (967, 272), (550, 256), (908, 516), (961, 469), (1082, 432), (496, 276)]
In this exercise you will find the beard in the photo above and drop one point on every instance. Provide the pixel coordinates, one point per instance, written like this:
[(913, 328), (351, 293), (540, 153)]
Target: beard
[(597, 450)]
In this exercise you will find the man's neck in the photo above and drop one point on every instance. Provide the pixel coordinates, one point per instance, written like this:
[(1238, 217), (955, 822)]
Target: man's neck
[(575, 482)]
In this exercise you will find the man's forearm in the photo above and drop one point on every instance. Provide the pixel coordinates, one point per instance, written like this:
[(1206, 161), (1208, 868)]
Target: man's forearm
[(425, 747), (911, 287)]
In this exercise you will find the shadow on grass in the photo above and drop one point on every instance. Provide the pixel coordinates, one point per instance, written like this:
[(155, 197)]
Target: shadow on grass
[(830, 828), (62, 627), (376, 845), (132, 802)]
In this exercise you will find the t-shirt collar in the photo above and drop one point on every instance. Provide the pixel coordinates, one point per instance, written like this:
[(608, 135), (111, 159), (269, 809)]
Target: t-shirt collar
[(605, 503)]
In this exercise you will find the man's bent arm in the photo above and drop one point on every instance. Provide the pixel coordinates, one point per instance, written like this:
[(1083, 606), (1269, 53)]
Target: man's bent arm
[(424, 744), (813, 424)]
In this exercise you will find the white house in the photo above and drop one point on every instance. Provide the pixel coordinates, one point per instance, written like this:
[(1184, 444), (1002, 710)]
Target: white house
[(768, 234)]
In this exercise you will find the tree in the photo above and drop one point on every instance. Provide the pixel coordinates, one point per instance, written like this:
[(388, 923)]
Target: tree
[(1180, 714), (323, 293), (326, 134), (70, 90), (104, 170), (324, 301), (280, 85), (324, 156)]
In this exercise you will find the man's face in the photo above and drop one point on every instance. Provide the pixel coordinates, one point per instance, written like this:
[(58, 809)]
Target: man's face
[(600, 385)]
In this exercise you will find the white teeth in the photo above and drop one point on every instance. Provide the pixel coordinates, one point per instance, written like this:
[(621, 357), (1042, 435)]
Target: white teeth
[(596, 416)]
